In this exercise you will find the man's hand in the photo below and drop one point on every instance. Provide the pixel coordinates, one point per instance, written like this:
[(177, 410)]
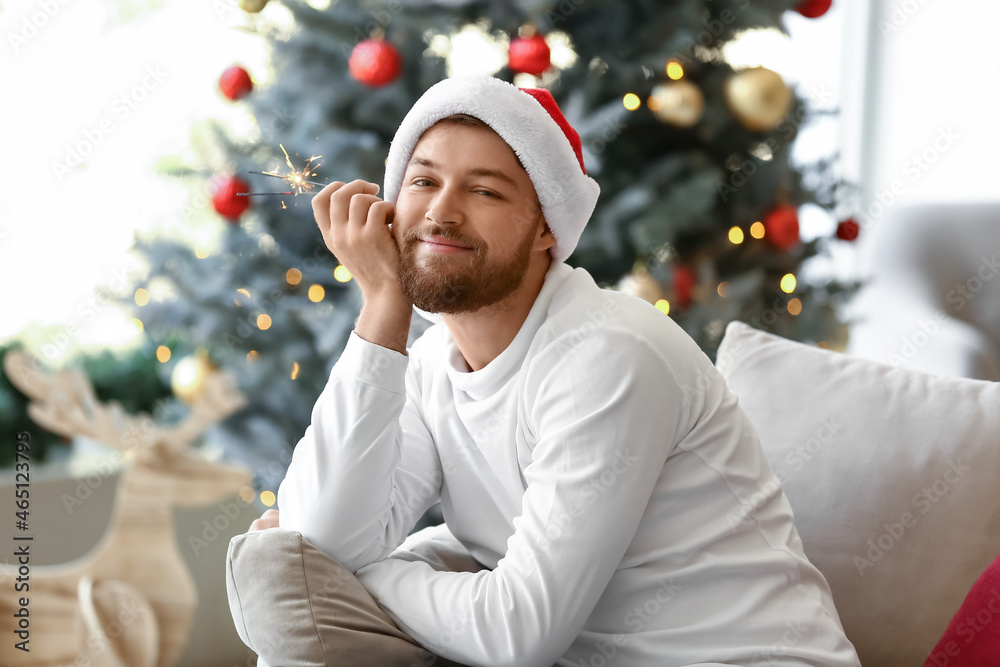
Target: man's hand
[(268, 519), (355, 226)]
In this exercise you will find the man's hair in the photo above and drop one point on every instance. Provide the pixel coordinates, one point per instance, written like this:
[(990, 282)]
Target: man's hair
[(466, 119)]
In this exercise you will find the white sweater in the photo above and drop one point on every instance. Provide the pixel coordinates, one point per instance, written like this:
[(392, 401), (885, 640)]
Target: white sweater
[(598, 467)]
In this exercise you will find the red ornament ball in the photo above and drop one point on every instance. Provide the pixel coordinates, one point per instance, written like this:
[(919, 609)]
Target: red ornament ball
[(683, 285), (847, 230), (225, 196), (813, 8), (375, 62), (781, 227), (530, 55), (235, 82)]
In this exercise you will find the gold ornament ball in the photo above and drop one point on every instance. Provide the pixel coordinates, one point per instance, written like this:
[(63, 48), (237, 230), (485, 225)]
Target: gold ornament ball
[(758, 98), (188, 377), (679, 103), (252, 6), (642, 285)]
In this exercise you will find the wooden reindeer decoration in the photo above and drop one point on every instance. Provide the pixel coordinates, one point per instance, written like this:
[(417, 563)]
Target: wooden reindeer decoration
[(131, 600)]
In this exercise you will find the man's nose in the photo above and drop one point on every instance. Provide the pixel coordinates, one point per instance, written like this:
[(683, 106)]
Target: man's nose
[(446, 206)]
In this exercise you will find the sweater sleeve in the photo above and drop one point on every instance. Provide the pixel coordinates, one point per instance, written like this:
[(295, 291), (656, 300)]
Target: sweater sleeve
[(606, 413), (366, 468)]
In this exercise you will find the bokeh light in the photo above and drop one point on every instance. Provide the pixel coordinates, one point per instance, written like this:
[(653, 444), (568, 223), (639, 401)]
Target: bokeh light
[(788, 283), (342, 273)]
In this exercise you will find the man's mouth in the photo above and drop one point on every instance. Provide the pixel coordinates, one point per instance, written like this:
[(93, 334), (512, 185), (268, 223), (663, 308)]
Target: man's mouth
[(443, 244)]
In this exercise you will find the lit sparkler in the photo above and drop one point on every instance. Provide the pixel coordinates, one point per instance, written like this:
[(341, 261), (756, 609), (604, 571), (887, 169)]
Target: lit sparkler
[(297, 179)]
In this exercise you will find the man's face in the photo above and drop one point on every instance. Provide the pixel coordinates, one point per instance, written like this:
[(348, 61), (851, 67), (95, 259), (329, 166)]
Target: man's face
[(467, 221)]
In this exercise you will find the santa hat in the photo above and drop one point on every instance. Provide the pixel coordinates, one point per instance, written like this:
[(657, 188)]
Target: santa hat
[(530, 121)]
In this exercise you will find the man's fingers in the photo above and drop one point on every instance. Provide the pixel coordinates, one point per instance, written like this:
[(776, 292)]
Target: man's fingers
[(321, 204), (341, 199), (360, 206), (328, 189), (337, 206), (381, 213), (268, 519), (333, 200)]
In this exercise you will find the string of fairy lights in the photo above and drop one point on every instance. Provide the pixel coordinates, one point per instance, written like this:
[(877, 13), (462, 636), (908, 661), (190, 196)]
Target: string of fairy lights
[(316, 293), (684, 111)]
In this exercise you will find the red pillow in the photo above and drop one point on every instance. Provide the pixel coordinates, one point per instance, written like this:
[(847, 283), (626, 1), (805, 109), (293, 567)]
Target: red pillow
[(973, 636)]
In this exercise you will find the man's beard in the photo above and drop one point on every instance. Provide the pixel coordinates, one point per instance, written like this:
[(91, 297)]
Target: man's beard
[(458, 282)]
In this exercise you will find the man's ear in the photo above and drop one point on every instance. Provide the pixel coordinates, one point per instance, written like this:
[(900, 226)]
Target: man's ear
[(544, 239)]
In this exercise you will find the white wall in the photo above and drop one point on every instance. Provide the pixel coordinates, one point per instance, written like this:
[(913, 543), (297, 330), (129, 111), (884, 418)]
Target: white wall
[(930, 104), (916, 87)]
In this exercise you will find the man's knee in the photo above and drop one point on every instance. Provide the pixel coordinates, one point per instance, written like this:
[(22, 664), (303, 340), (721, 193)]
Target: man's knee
[(295, 605), (275, 558)]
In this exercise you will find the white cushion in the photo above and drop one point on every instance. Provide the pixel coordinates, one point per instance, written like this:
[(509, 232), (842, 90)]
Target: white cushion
[(893, 475)]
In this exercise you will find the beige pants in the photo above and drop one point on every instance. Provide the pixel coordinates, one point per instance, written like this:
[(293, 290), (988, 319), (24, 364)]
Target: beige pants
[(296, 607)]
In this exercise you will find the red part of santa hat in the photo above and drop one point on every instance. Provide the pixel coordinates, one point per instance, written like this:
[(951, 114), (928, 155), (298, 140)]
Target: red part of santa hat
[(530, 121), (548, 103)]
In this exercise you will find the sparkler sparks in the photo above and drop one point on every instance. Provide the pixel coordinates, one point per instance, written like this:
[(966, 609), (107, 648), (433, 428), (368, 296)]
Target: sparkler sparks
[(297, 179)]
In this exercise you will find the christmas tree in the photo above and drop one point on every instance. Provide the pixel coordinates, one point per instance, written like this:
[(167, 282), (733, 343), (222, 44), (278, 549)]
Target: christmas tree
[(698, 209)]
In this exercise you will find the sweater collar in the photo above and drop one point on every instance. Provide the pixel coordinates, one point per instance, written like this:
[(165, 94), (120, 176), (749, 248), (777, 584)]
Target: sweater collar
[(492, 377)]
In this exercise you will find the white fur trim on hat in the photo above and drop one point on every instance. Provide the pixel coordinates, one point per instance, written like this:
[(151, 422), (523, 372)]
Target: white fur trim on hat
[(567, 195)]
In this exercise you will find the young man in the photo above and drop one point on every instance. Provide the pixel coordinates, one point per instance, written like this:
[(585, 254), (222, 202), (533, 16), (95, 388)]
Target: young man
[(604, 495)]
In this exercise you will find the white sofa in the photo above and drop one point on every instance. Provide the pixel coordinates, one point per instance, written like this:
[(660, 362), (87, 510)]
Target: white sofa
[(892, 475)]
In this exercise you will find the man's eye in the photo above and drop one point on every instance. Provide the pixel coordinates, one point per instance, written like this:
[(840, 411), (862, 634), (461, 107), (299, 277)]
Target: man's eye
[(421, 181), (487, 193)]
